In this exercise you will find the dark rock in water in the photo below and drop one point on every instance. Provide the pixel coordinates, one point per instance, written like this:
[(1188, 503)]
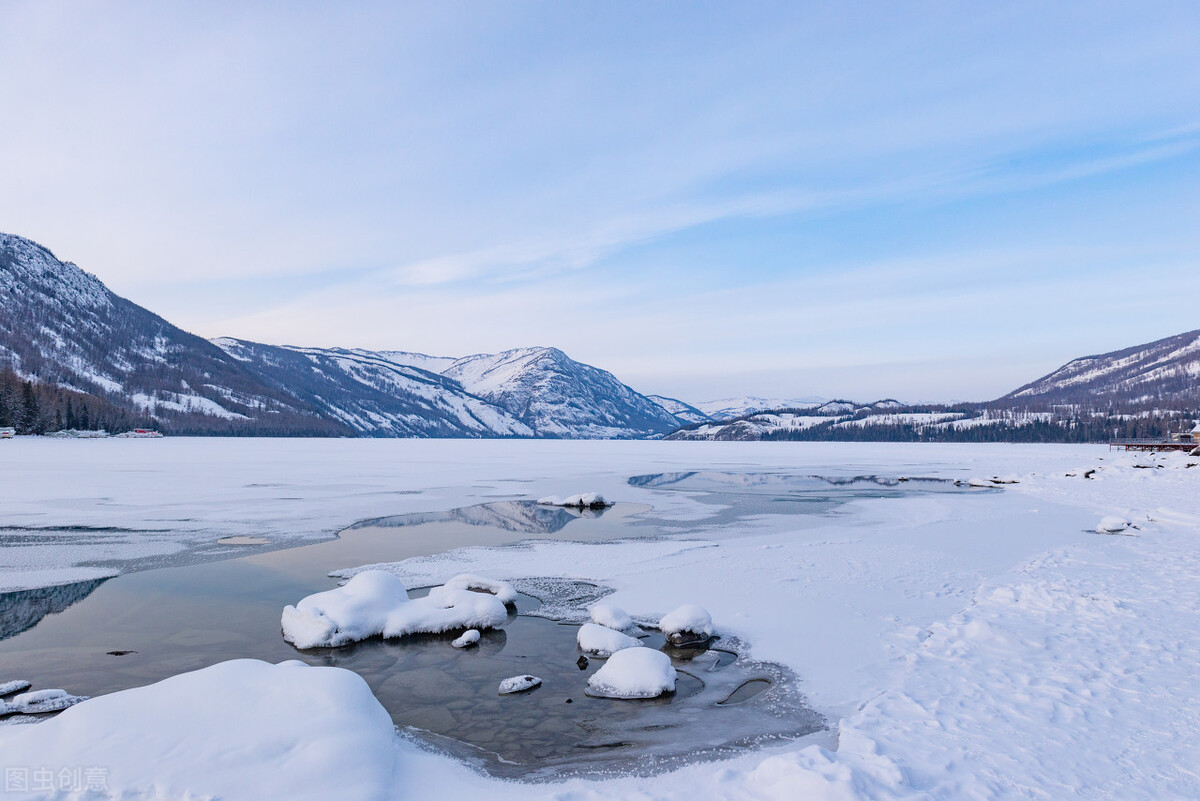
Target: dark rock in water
[(570, 700), (121, 653), (688, 639), (582, 662)]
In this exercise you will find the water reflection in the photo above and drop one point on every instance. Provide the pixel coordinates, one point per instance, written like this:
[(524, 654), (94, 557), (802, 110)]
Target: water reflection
[(23, 609)]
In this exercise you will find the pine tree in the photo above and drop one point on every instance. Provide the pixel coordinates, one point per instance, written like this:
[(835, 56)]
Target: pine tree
[(29, 410)]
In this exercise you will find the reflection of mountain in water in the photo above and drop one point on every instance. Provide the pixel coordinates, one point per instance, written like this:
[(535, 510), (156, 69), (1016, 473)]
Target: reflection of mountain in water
[(24, 609), (715, 481), (525, 517)]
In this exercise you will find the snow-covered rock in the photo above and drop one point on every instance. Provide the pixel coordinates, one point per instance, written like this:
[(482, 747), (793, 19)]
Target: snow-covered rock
[(688, 622), (1113, 524), (39, 701), (376, 603), (468, 637), (14, 686), (243, 729), (633, 673), (582, 500), (610, 615), (519, 684), (601, 641)]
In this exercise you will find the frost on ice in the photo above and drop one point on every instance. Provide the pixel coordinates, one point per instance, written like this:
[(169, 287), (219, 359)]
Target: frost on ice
[(601, 641), (583, 500), (468, 637), (519, 684), (688, 623), (376, 603), (606, 614), (633, 673)]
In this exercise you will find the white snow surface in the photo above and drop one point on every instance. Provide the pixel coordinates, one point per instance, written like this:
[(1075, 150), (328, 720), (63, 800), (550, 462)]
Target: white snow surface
[(13, 686), (601, 641), (634, 673), (983, 645), (375, 603), (237, 730)]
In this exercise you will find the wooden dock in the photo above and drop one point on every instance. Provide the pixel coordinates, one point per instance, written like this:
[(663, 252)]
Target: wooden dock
[(1152, 444)]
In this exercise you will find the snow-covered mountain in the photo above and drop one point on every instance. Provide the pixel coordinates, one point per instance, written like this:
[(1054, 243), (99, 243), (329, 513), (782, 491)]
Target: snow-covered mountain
[(1160, 374), (732, 408), (680, 410), (64, 328), (374, 395), (559, 397)]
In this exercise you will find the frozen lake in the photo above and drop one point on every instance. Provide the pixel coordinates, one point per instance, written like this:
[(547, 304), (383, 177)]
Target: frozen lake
[(936, 632)]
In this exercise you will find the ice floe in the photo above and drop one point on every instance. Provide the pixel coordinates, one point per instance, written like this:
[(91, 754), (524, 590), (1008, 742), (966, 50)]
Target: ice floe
[(467, 581), (633, 673), (15, 686), (376, 603), (40, 701), (601, 641)]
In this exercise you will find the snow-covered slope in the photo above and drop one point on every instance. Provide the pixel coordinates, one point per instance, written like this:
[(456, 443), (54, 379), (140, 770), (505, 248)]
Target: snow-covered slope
[(62, 326), (559, 397), (375, 395), (684, 412), (1155, 374)]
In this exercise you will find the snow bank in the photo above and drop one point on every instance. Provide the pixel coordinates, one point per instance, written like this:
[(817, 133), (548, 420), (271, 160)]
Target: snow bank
[(687, 622), (376, 603), (633, 673), (614, 617), (583, 500), (237, 730), (468, 637), (519, 684), (601, 641)]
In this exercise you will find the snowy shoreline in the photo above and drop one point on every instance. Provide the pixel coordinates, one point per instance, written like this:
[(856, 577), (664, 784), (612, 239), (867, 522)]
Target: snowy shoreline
[(987, 646)]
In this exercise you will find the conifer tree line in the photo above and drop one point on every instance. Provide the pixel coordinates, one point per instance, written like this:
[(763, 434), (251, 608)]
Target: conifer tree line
[(33, 407)]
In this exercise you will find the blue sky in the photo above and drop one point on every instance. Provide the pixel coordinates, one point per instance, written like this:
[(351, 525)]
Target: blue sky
[(932, 202)]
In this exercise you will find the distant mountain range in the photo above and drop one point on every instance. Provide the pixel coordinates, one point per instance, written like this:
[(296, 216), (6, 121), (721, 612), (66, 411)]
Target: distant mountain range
[(63, 327), (1146, 391), (93, 358)]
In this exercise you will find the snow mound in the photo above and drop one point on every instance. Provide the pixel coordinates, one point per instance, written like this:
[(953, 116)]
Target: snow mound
[(467, 581), (376, 603), (688, 622), (609, 615), (519, 684), (468, 637), (1114, 525), (39, 701), (633, 673), (238, 730), (10, 687), (601, 641), (584, 500)]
